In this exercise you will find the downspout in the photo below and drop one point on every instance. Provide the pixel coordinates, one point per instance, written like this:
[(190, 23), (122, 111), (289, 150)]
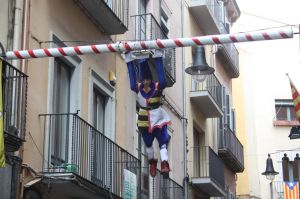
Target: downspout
[(16, 42), (17, 31), (25, 33), (23, 68), (184, 119)]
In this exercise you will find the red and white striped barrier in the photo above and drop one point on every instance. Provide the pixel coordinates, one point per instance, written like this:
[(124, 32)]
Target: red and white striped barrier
[(154, 44)]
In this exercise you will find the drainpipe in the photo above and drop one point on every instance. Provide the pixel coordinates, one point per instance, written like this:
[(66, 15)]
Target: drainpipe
[(25, 33), (17, 30), (23, 68), (184, 120)]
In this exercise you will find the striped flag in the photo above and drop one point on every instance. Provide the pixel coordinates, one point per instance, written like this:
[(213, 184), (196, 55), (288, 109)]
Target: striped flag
[(296, 99), (2, 151), (291, 190)]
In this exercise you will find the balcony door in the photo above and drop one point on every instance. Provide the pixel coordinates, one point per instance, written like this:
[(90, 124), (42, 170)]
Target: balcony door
[(142, 20), (60, 104)]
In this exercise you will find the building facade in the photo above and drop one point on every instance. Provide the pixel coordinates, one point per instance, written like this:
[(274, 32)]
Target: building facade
[(74, 132), (215, 153), (81, 135)]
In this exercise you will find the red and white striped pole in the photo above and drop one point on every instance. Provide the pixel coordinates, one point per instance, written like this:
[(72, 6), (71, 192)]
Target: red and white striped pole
[(153, 44)]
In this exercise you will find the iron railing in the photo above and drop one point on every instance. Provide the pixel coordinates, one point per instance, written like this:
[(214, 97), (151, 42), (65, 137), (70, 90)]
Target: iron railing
[(233, 53), (14, 90), (148, 28), (210, 84), (160, 187), (166, 188), (207, 164), (120, 8), (229, 141), (73, 145)]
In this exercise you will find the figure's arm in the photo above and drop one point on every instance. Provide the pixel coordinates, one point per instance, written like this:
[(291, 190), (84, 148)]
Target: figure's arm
[(131, 72), (161, 75)]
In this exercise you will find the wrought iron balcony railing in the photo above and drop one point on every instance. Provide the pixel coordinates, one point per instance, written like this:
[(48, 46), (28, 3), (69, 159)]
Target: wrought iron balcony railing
[(210, 84), (166, 188), (231, 149), (207, 164), (148, 28), (14, 91), (73, 145)]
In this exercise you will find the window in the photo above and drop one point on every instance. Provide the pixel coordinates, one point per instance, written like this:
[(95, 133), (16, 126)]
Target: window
[(142, 20), (99, 104), (64, 97), (102, 105), (229, 113), (284, 110), (164, 22), (60, 104)]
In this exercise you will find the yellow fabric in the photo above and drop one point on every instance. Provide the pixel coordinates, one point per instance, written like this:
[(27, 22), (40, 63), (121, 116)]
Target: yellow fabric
[(143, 112), (298, 113), (297, 100), (142, 123), (154, 99), (2, 152)]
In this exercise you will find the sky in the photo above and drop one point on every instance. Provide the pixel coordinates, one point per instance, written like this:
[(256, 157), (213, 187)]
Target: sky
[(276, 57)]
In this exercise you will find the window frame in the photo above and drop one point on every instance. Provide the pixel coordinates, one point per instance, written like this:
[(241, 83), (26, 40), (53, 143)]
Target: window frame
[(96, 81), (288, 119), (75, 96)]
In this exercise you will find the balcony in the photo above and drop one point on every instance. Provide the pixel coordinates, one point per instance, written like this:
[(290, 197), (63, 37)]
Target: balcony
[(148, 28), (206, 96), (231, 150), (80, 162), (209, 15), (208, 172), (110, 16), (14, 88), (229, 55), (166, 188)]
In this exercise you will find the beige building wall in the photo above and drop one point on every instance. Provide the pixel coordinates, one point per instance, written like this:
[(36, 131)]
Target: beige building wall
[(239, 104), (48, 18), (207, 127)]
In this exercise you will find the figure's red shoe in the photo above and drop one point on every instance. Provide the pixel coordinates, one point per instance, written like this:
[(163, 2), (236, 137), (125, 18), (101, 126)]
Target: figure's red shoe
[(165, 168), (152, 164)]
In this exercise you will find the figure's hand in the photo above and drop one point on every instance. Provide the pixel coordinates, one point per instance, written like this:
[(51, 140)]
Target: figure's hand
[(157, 53), (129, 57)]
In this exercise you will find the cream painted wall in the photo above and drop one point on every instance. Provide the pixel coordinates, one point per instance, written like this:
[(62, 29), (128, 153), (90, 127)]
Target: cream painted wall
[(264, 66), (239, 104), (47, 18), (4, 23), (195, 118)]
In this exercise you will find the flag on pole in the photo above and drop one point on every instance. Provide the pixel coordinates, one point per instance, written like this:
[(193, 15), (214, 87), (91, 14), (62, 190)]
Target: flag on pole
[(2, 152), (296, 99), (291, 190)]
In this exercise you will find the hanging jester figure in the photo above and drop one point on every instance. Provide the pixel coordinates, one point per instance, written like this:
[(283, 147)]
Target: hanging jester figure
[(152, 118)]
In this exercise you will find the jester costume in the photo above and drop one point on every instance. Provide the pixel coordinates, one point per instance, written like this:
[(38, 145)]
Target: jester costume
[(152, 118)]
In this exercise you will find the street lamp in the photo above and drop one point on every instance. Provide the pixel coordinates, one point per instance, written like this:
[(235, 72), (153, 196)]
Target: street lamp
[(199, 69), (270, 173)]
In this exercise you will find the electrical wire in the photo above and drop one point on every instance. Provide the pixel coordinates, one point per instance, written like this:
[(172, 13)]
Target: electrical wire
[(265, 18)]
